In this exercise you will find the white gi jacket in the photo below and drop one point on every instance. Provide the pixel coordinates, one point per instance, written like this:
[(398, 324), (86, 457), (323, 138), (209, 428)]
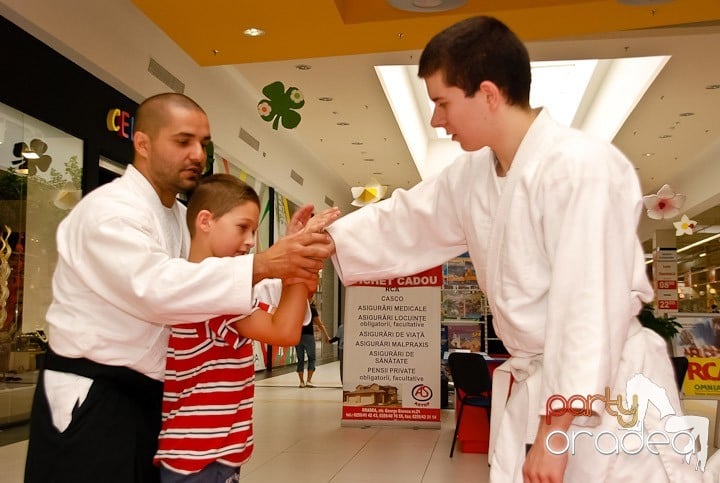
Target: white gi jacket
[(555, 250), (121, 276)]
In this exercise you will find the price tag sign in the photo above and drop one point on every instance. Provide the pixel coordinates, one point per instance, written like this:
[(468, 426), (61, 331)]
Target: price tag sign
[(668, 305), (666, 286)]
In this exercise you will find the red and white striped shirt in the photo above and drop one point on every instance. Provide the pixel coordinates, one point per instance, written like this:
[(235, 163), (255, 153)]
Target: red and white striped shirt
[(208, 396)]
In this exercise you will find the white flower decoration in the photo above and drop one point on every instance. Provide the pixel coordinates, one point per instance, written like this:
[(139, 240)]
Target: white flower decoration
[(665, 204), (685, 226), (296, 95), (370, 193)]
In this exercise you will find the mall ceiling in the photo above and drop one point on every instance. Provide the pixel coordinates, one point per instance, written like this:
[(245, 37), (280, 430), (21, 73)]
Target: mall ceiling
[(212, 35), (340, 41)]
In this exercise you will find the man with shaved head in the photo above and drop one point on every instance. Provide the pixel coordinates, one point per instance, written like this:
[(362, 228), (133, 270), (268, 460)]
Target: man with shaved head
[(120, 280)]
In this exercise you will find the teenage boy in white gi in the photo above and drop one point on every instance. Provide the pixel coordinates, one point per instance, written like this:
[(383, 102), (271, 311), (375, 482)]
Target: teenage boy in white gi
[(548, 215)]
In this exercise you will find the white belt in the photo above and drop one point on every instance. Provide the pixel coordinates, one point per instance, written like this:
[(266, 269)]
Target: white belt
[(525, 376)]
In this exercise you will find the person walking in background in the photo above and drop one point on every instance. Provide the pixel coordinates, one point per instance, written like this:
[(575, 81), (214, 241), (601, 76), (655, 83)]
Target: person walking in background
[(549, 216), (207, 430), (120, 280), (307, 346)]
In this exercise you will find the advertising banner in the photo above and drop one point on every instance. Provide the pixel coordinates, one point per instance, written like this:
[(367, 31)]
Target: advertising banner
[(392, 341), (699, 341)]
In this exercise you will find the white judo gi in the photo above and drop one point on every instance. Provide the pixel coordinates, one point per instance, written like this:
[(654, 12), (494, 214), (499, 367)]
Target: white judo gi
[(119, 280), (555, 250)]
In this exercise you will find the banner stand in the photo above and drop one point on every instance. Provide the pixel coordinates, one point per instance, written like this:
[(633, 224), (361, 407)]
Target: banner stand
[(392, 340)]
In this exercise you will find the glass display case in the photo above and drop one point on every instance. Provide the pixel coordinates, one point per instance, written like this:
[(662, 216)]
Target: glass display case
[(40, 181)]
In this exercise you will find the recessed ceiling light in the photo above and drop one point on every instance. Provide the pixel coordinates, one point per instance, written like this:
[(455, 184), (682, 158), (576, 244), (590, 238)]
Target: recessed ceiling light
[(325, 99), (377, 172), (253, 32), (303, 67), (665, 136), (369, 159), (687, 114), (639, 3), (342, 123), (357, 143), (426, 5), (647, 155), (713, 86)]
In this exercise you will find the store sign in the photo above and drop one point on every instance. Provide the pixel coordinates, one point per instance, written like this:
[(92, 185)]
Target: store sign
[(120, 122), (665, 276), (703, 377), (699, 341), (391, 356)]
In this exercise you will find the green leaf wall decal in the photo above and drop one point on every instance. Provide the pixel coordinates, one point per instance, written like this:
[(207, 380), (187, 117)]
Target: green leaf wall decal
[(281, 105)]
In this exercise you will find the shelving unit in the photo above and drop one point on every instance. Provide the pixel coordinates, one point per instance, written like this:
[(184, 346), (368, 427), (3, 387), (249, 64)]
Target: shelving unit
[(464, 307)]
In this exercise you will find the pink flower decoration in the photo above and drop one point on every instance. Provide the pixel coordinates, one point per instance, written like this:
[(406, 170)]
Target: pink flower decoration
[(665, 204), (263, 108)]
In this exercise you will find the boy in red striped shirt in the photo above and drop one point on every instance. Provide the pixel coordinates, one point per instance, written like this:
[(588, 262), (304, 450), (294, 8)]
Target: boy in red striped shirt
[(209, 377)]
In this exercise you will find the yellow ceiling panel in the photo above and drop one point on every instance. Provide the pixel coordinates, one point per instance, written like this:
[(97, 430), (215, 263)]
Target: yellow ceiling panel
[(211, 32)]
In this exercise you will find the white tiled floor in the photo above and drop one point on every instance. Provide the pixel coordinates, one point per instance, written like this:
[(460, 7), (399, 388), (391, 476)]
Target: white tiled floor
[(299, 439)]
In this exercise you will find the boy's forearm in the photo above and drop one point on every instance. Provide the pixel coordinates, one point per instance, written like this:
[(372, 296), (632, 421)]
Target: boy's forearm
[(283, 327), (288, 318)]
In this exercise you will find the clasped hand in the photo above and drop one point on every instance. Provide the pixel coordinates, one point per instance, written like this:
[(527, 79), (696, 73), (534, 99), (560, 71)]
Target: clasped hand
[(297, 257)]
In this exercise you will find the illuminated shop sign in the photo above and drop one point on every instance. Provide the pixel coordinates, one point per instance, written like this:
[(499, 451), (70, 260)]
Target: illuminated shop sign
[(120, 122)]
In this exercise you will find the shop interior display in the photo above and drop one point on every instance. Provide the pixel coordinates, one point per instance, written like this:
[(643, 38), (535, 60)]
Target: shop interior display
[(40, 181), (465, 314)]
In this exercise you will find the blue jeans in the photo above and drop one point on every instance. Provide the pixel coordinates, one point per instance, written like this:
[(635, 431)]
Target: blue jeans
[(212, 473), (306, 345)]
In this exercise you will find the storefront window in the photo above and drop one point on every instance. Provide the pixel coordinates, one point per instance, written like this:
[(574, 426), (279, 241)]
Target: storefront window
[(40, 181), (698, 283)]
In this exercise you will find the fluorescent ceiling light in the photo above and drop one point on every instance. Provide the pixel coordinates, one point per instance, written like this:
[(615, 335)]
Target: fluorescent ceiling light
[(560, 86), (697, 243), (401, 90), (30, 154), (596, 96)]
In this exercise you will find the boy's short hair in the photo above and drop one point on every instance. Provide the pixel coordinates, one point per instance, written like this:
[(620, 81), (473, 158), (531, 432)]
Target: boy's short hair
[(479, 49), (218, 193)]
